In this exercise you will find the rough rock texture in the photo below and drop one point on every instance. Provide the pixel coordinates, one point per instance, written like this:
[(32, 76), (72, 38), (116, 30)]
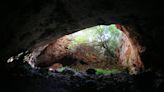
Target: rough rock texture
[(54, 51), (26, 22), (21, 77), (112, 44)]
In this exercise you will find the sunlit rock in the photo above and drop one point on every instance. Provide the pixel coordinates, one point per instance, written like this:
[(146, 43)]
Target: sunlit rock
[(102, 46)]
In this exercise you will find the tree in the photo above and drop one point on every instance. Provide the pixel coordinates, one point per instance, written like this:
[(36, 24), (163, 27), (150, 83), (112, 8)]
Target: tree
[(106, 40)]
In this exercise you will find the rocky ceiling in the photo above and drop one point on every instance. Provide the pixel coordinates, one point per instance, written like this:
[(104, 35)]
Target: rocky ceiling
[(25, 23)]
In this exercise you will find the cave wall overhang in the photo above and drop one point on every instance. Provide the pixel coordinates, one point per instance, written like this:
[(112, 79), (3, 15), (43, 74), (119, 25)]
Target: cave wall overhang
[(128, 54), (28, 24)]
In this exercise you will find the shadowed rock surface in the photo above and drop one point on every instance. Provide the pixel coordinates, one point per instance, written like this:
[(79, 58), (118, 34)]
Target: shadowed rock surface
[(27, 22), (21, 77)]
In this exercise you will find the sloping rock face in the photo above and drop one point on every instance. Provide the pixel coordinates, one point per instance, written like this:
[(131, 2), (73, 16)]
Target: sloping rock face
[(25, 23), (111, 44), (55, 51)]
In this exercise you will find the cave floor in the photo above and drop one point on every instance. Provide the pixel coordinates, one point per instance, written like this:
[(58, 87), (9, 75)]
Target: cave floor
[(21, 77)]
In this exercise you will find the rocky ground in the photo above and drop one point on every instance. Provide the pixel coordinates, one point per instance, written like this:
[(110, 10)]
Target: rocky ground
[(27, 22), (21, 77)]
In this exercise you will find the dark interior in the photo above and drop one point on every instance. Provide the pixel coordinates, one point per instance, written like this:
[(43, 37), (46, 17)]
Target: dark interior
[(24, 23)]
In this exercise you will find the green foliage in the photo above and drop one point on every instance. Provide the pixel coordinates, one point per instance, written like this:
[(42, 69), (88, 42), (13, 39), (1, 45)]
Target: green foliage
[(112, 44), (99, 30), (80, 39), (106, 72), (61, 69), (106, 37), (113, 41)]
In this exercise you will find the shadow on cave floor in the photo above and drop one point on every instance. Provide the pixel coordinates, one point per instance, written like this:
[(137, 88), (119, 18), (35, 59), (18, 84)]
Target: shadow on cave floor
[(21, 77)]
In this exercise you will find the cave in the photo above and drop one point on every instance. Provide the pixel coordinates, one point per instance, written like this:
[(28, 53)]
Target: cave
[(99, 47), (76, 46)]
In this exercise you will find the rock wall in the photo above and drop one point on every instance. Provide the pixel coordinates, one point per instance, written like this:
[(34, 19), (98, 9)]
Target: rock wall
[(27, 23), (109, 44)]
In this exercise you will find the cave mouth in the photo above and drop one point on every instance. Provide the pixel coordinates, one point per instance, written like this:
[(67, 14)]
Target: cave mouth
[(110, 48)]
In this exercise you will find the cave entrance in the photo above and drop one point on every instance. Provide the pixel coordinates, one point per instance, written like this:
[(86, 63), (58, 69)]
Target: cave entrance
[(99, 47)]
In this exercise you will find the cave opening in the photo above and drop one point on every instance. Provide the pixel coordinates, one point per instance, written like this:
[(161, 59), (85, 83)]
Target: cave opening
[(102, 47), (32, 31)]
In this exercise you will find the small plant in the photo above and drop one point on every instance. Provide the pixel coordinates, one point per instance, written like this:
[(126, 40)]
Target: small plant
[(106, 72)]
